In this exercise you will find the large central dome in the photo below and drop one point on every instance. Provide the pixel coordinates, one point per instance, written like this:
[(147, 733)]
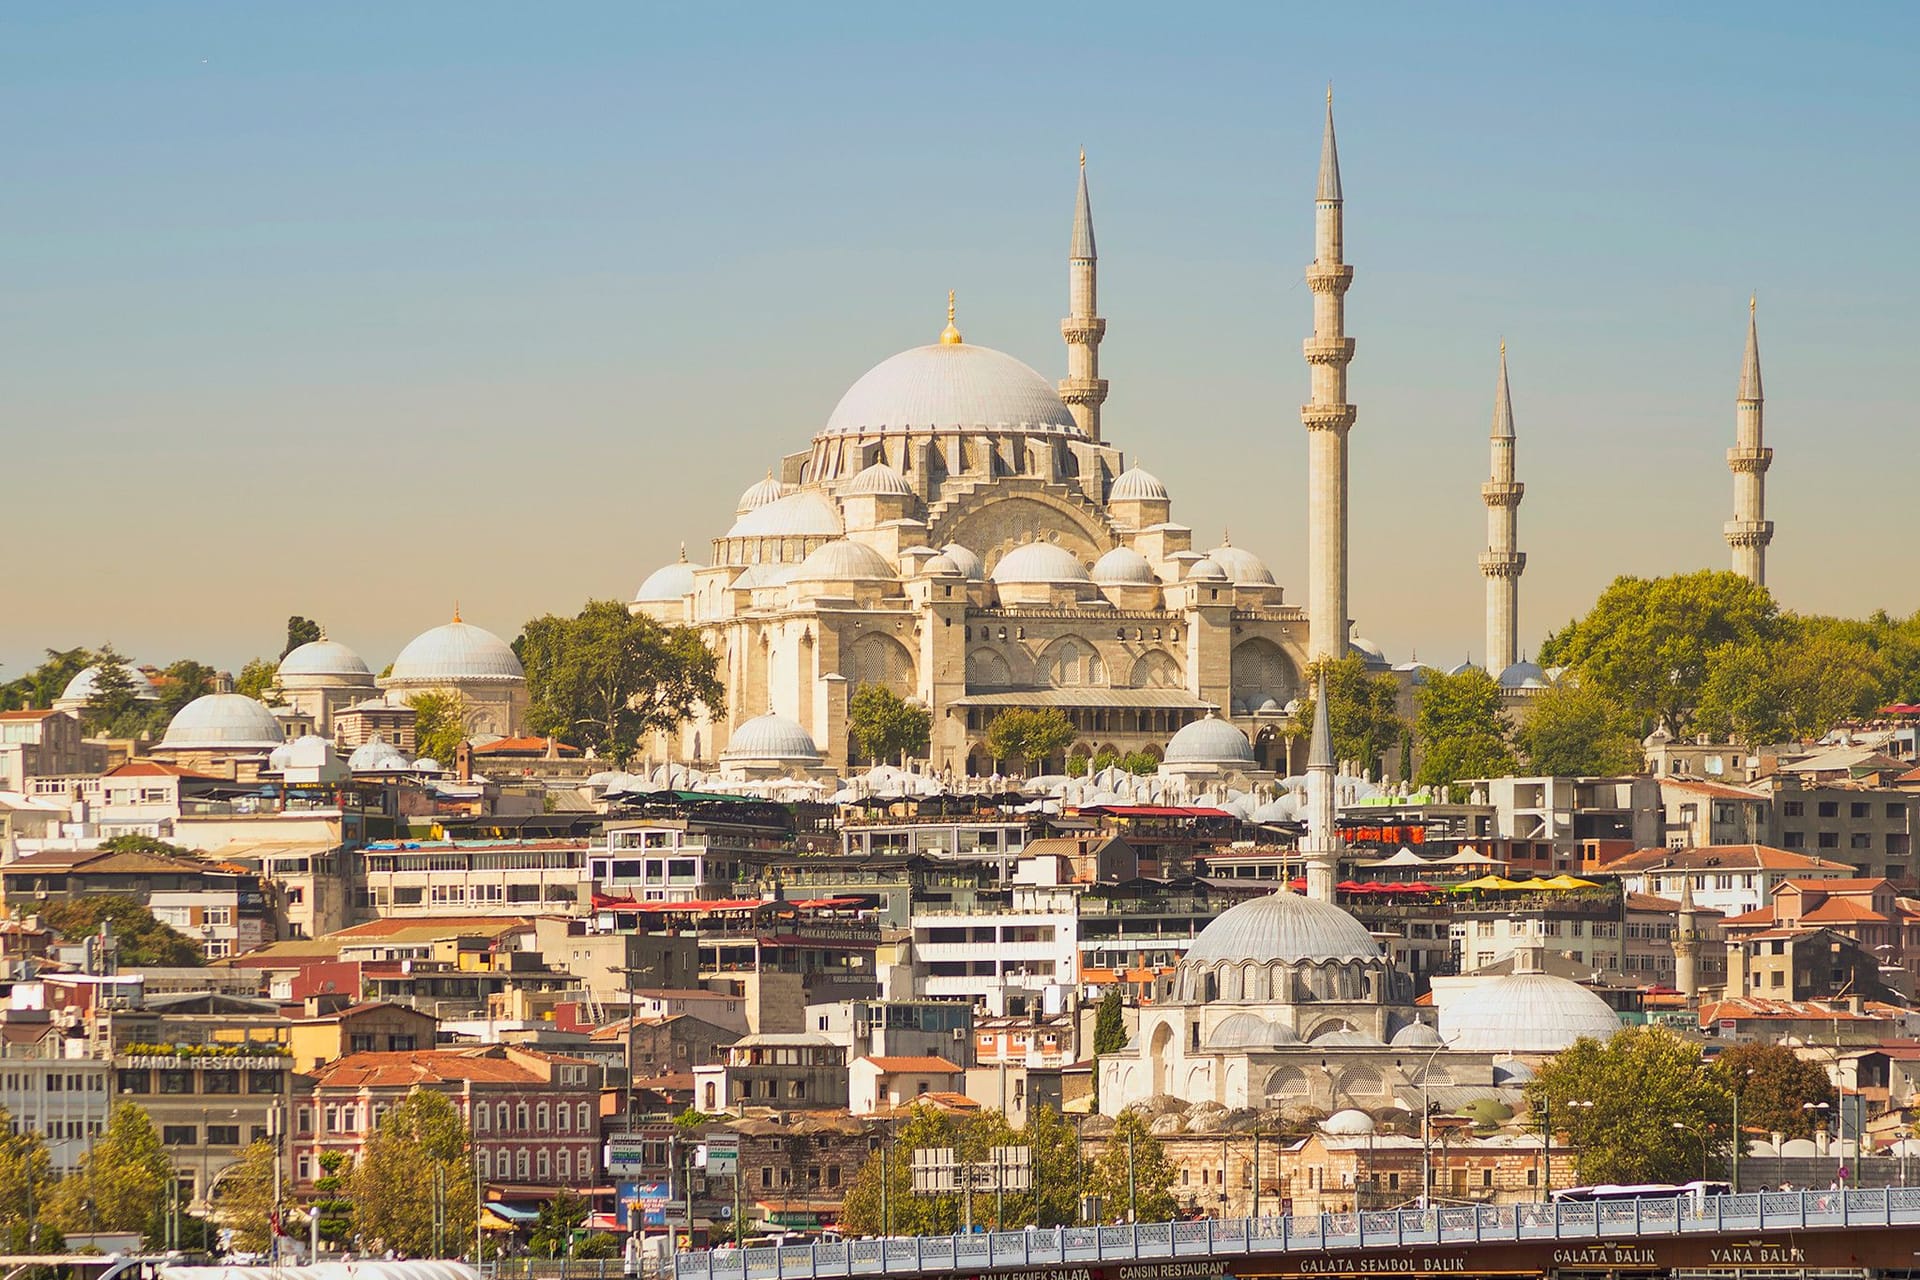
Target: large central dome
[(951, 385), (1285, 927)]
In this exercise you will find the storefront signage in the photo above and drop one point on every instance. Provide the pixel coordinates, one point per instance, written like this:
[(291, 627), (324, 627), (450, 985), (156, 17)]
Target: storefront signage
[(1376, 1264), (168, 1062)]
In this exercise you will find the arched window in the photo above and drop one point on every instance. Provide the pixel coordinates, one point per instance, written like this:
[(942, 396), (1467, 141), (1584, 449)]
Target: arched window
[(564, 1114), (540, 1117), (544, 1166), (484, 1159), (520, 1114), (563, 1165), (710, 1101), (500, 1118), (481, 1114), (586, 1124), (520, 1162)]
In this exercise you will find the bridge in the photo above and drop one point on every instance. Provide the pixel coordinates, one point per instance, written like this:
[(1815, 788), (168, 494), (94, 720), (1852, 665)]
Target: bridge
[(1832, 1234)]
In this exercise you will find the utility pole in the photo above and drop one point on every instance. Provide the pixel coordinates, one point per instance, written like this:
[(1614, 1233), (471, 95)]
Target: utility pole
[(628, 972), (1132, 1206)]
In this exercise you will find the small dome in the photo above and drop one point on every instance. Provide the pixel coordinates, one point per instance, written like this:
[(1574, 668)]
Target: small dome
[(456, 651), (223, 721), (952, 384), (941, 566), (1241, 566), (844, 561), (1525, 1013), (1205, 570), (760, 493), (1463, 668), (1135, 485), (86, 683), (669, 584), (807, 513), (1124, 567), (881, 480), (1347, 1123), (1346, 1038), (1251, 1031), (1039, 562), (426, 764), (1289, 928), (1512, 1072), (772, 737), (1415, 1035), (375, 755), (287, 754), (1374, 656), (323, 657), (1210, 741), (1524, 675), (970, 565)]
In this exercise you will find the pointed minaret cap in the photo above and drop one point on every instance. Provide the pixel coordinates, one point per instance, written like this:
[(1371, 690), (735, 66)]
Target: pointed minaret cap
[(1320, 750), (1329, 157), (1686, 896), (1082, 246), (1503, 401), (1750, 365), (950, 336)]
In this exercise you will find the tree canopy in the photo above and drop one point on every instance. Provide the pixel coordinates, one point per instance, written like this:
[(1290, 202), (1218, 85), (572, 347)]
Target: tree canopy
[(26, 1185), (40, 686), (144, 942), (244, 1196), (1461, 729), (1775, 1086), (415, 1161), (1362, 711), (605, 677), (120, 1180), (1653, 1105), (1053, 1199), (1030, 736), (1571, 731), (885, 726), (440, 723), (300, 631), (257, 679), (1110, 1023), (1133, 1177)]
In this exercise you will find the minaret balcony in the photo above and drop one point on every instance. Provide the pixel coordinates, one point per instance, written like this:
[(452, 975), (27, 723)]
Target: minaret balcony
[(1327, 417), (1502, 493), (1333, 278), (1081, 330), (1083, 390), (1749, 533), (1742, 461), (1502, 564), (1328, 350)]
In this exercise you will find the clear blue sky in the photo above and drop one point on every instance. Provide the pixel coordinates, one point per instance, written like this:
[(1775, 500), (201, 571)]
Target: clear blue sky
[(355, 310)]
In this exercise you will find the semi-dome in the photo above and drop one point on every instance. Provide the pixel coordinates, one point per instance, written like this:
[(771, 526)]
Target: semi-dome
[(456, 651), (670, 583), (1211, 741), (941, 566), (1415, 1035), (86, 683), (1374, 656), (880, 480), (1124, 567), (760, 493), (1347, 1038), (1284, 927), (1251, 1031), (1039, 562), (971, 566), (1135, 485), (805, 514), (1524, 675), (772, 737), (323, 657), (841, 560), (1525, 1013), (947, 385), (375, 755), (1241, 566), (221, 722), (1205, 570), (1350, 1122)]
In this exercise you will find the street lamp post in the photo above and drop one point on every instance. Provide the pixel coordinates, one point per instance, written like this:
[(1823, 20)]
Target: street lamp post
[(1840, 1145)]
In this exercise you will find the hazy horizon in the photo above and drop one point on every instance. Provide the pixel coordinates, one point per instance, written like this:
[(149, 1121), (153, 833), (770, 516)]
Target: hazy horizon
[(356, 312)]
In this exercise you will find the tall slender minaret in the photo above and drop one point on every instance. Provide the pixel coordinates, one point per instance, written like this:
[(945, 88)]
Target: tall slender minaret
[(1083, 388), (1749, 532), (1328, 417), (1321, 847), (1686, 943), (1500, 564)]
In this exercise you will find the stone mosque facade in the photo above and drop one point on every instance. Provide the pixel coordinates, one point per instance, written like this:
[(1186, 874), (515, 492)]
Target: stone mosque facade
[(961, 532)]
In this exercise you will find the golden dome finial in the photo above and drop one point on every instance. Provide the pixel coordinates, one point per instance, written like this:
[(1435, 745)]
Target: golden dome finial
[(456, 611), (1083, 157), (1503, 348), (683, 546), (1753, 302), (950, 336), (1329, 93)]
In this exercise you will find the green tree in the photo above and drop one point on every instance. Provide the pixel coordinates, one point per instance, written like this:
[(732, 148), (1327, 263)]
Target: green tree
[(244, 1198), (144, 942), (1793, 688), (258, 679), (112, 710), (1133, 1175), (40, 686), (1775, 1086), (1653, 1105), (868, 1211), (1053, 1145), (1141, 764), (331, 1200), (1461, 730), (605, 677), (886, 726), (1030, 736), (440, 724), (1110, 1024), (181, 682), (122, 1179), (415, 1167), (1362, 711), (1571, 732), (557, 1220), (1646, 644), (26, 1186), (300, 631)]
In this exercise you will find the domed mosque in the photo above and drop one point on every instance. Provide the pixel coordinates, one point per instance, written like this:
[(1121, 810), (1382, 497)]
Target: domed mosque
[(324, 677), (960, 531), (471, 662)]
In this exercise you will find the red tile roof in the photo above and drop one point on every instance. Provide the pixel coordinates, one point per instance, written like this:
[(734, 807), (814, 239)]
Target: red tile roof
[(431, 1066), (1720, 857)]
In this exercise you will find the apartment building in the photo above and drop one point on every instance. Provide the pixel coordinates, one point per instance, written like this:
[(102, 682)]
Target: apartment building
[(463, 878)]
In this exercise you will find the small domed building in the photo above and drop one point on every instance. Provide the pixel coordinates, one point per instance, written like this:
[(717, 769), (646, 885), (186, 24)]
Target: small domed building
[(321, 679), (85, 683), (1212, 751), (471, 662), (222, 735)]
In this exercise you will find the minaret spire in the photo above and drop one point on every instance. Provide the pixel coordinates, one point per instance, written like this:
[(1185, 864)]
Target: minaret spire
[(1083, 389), (1750, 532), (1328, 417), (1320, 850), (1501, 564)]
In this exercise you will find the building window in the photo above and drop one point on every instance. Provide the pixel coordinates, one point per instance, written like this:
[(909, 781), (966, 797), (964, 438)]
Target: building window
[(1829, 839), (136, 1081), (540, 1117), (1794, 808), (219, 1082), (176, 1082), (1860, 809), (264, 1081), (564, 1114), (585, 1123), (503, 1120), (223, 1135), (563, 1164), (544, 1165), (1829, 808), (179, 1135)]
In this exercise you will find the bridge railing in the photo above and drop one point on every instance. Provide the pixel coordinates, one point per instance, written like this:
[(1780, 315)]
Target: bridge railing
[(1310, 1233)]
